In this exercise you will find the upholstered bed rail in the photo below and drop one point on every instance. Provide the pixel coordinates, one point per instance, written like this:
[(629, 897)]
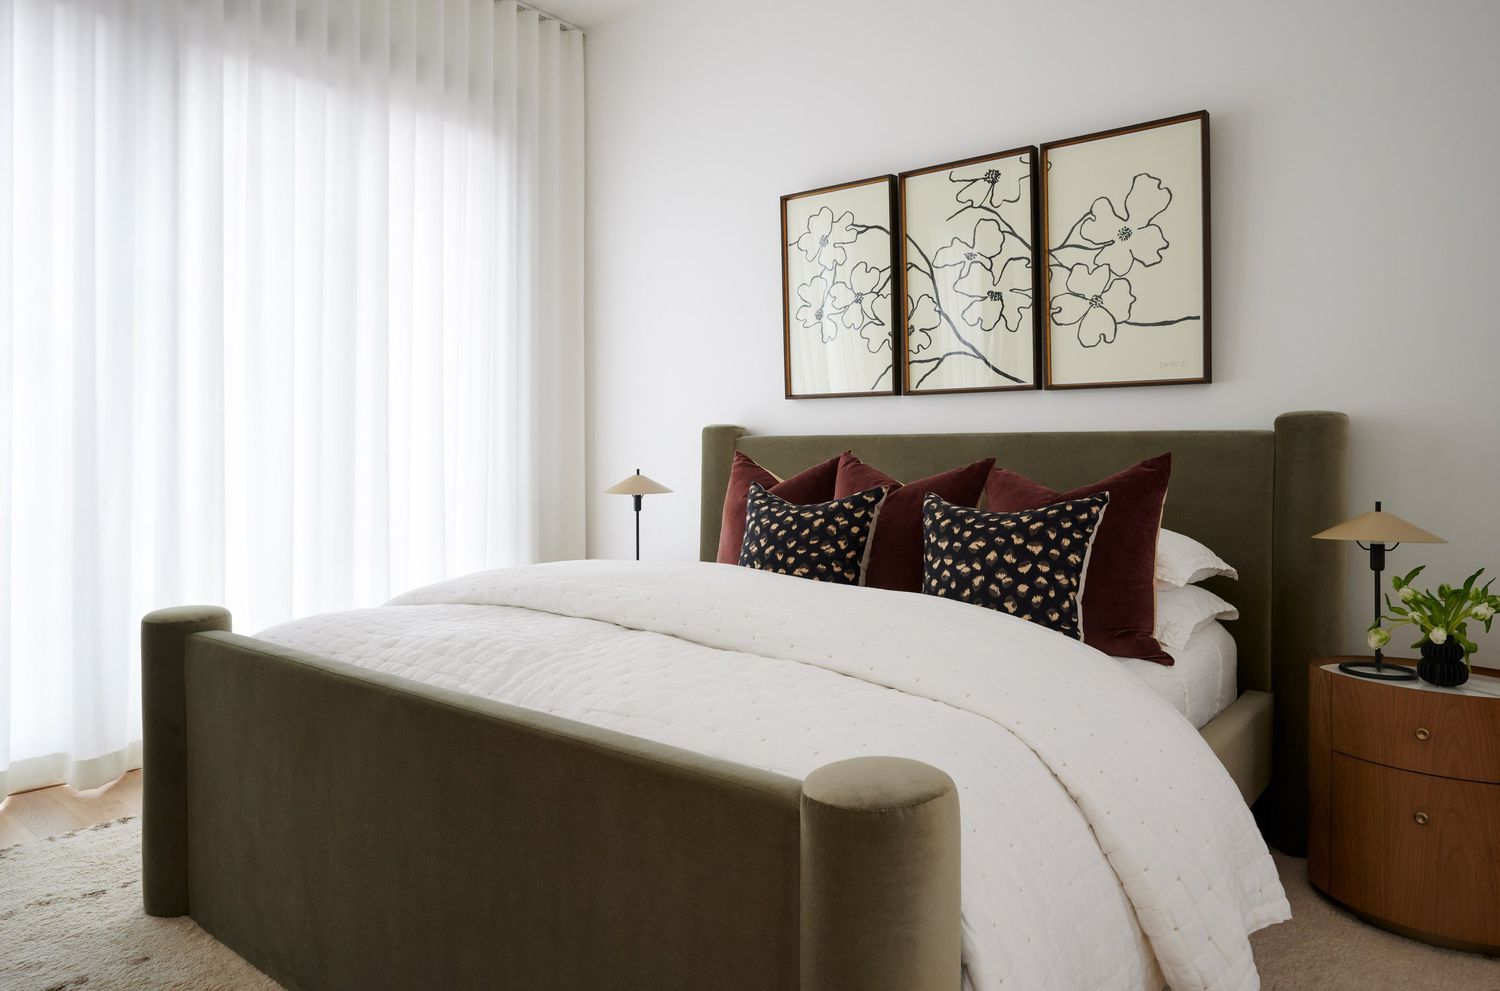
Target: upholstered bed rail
[(344, 829)]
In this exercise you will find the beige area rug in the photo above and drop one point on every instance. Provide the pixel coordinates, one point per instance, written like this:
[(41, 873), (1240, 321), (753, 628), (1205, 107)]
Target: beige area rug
[(1326, 948), (71, 918)]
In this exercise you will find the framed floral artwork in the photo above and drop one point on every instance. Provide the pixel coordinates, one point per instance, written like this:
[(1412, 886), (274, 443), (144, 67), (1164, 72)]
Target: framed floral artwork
[(839, 280), (968, 241), (1125, 221)]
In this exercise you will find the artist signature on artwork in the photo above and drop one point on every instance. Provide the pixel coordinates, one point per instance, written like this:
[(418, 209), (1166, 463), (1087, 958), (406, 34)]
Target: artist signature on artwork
[(1176, 363)]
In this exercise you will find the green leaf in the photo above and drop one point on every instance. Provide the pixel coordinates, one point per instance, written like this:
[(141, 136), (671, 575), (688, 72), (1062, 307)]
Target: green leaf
[(1453, 605)]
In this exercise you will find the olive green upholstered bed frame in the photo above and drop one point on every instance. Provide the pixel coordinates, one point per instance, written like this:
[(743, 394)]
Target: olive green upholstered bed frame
[(1254, 496), (344, 829)]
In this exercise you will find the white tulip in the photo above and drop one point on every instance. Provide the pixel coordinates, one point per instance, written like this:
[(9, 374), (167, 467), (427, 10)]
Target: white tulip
[(1377, 638), (1438, 635), (1407, 593), (1483, 611)]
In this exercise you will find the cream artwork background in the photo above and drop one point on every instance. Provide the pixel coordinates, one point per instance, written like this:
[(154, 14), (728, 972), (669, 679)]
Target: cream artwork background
[(838, 290), (968, 241), (1125, 257)]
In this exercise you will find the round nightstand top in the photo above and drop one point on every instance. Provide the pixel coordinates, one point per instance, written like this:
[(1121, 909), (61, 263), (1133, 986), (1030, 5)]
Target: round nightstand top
[(1478, 685)]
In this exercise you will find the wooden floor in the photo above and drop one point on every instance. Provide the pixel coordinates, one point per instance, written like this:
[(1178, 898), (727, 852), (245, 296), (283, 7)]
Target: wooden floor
[(35, 815)]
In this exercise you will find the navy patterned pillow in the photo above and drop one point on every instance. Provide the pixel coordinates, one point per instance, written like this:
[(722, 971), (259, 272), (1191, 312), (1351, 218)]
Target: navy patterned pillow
[(1030, 564), (826, 541)]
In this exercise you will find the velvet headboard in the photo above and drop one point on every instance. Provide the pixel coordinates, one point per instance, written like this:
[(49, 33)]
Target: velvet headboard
[(1255, 496)]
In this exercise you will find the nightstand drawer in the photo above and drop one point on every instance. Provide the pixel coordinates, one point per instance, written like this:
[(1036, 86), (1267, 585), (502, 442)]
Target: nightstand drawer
[(1415, 850), (1420, 730)]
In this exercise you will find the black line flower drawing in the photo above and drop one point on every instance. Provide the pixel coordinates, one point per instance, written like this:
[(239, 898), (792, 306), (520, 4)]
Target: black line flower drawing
[(837, 297), (976, 285), (876, 341), (921, 320), (823, 241), (817, 310), (1096, 301), (863, 294), (1133, 237), (995, 296), (991, 185), (983, 247), (1093, 256)]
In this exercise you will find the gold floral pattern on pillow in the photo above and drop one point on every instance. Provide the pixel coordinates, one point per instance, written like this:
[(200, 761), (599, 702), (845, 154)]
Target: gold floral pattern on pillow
[(1030, 564), (826, 541)]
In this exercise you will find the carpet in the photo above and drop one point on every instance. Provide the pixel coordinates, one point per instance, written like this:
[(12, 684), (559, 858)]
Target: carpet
[(1326, 948), (71, 918)]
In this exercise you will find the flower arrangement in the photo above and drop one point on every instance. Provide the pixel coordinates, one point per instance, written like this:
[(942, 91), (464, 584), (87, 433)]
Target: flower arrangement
[(1438, 615)]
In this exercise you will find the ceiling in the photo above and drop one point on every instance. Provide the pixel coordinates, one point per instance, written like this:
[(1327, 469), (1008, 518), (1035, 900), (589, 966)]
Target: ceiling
[(589, 13)]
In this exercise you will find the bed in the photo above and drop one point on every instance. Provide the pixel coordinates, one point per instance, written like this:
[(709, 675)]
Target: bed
[(1202, 683), (607, 775)]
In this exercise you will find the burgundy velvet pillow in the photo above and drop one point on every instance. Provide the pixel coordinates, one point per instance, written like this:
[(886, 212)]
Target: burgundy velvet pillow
[(896, 557), (815, 484), (1119, 593)]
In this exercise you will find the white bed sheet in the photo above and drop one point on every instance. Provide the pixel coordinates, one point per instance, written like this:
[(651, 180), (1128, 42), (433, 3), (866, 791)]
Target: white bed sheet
[(1203, 682)]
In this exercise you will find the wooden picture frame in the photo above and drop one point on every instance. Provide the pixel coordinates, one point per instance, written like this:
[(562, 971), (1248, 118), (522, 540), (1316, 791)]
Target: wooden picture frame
[(969, 240), (840, 280), (1104, 293)]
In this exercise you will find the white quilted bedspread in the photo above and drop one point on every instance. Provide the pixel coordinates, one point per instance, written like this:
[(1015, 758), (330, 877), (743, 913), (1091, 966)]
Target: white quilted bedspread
[(1104, 846)]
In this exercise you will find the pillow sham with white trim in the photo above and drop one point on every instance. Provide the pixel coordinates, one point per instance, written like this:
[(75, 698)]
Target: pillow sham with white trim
[(1031, 564), (1181, 560), (1182, 612), (825, 541)]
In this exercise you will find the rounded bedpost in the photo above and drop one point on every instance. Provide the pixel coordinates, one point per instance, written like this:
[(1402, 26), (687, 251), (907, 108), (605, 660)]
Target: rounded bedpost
[(1309, 602), (164, 850), (880, 877)]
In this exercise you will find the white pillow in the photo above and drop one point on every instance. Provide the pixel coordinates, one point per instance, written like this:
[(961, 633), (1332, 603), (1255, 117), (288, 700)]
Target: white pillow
[(1181, 612), (1183, 561)]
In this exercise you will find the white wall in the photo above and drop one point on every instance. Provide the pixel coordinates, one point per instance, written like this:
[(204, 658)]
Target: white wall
[(1356, 223)]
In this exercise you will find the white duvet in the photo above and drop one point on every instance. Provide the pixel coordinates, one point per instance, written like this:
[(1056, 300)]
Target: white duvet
[(1104, 846)]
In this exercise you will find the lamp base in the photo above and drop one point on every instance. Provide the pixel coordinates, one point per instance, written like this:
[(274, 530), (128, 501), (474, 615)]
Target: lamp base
[(1377, 672)]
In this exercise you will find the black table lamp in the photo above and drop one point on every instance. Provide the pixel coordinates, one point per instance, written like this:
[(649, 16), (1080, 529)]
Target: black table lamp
[(637, 485), (1377, 533)]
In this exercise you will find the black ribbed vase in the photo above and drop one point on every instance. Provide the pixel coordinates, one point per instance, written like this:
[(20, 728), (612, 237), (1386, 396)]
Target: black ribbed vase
[(1442, 664)]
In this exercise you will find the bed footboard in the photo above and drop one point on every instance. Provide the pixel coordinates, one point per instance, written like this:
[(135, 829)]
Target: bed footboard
[(880, 876), (164, 825), (340, 828)]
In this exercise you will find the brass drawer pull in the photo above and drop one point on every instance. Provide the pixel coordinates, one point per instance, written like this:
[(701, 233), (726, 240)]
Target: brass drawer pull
[(1421, 818), (1422, 733)]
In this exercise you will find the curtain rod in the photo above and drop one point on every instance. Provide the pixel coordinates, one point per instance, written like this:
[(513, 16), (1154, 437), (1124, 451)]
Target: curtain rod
[(567, 25)]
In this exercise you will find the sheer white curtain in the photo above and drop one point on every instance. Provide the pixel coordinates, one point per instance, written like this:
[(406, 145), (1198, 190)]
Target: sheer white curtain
[(290, 320)]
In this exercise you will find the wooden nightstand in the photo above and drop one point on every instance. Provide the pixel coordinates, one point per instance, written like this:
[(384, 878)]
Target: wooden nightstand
[(1404, 803)]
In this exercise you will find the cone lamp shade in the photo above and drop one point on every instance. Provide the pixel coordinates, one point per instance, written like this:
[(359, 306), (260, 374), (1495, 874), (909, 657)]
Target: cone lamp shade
[(1378, 532), (1379, 528), (637, 486)]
